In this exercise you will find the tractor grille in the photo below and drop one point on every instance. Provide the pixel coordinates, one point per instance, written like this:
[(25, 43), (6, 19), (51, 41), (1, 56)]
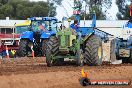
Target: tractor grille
[(59, 39), (67, 40)]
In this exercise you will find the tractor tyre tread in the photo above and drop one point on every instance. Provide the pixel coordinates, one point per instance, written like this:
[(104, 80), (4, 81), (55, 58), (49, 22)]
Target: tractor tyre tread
[(91, 51), (52, 47), (22, 48)]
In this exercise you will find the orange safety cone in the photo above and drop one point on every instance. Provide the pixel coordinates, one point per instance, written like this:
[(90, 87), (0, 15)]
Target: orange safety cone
[(33, 54), (32, 51), (7, 52), (84, 74)]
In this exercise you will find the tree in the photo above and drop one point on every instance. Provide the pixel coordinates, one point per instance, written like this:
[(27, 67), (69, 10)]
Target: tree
[(96, 6), (123, 8), (3, 1), (39, 11), (52, 10), (14, 4), (19, 11), (99, 14), (7, 10), (22, 9), (25, 12), (2, 16)]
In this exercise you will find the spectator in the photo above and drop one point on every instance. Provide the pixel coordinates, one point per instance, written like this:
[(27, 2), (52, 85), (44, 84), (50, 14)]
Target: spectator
[(2, 49)]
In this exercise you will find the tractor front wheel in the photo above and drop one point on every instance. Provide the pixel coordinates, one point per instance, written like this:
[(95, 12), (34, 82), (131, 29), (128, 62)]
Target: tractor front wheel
[(22, 51), (52, 48)]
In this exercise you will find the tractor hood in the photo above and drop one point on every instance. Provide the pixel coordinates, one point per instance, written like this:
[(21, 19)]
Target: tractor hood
[(47, 34), (27, 35)]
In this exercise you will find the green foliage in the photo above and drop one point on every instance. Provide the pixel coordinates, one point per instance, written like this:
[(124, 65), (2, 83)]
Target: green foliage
[(1, 16), (123, 8), (99, 14), (52, 10), (23, 9), (95, 6), (2, 2), (6, 10)]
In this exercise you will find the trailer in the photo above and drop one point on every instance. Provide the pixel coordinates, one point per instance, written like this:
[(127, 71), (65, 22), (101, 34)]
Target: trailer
[(9, 42)]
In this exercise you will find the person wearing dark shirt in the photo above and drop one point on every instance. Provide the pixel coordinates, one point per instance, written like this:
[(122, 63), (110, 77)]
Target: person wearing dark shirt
[(2, 49), (75, 26)]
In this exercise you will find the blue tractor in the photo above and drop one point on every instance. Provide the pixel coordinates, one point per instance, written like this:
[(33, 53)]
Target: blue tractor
[(36, 35), (121, 47)]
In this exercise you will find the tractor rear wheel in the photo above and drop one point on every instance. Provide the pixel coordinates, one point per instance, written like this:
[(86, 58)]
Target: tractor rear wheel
[(52, 48), (93, 51), (22, 51)]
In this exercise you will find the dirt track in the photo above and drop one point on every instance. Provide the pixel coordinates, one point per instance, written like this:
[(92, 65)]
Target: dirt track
[(34, 74)]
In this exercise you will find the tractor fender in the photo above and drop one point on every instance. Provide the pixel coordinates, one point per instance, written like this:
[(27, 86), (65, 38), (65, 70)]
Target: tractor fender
[(130, 41), (47, 34), (85, 31), (27, 35)]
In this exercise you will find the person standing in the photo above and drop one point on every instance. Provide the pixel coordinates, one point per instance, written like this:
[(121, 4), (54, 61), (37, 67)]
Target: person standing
[(2, 49)]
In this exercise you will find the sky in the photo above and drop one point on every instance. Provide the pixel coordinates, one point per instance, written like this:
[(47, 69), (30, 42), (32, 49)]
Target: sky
[(66, 10)]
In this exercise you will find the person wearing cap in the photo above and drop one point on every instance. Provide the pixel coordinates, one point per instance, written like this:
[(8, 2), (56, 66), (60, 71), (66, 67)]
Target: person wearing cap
[(75, 26)]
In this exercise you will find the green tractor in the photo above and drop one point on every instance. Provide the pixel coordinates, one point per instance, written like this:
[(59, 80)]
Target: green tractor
[(66, 43), (82, 44)]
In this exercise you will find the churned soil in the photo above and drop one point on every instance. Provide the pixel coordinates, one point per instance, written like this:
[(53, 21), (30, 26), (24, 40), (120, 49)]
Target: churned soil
[(33, 73)]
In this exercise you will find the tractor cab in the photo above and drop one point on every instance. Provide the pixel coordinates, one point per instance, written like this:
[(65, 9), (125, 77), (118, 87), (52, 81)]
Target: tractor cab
[(22, 27), (43, 23), (37, 24)]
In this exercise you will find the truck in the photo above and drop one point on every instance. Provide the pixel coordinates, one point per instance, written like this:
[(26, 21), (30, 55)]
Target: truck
[(38, 31), (10, 42)]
